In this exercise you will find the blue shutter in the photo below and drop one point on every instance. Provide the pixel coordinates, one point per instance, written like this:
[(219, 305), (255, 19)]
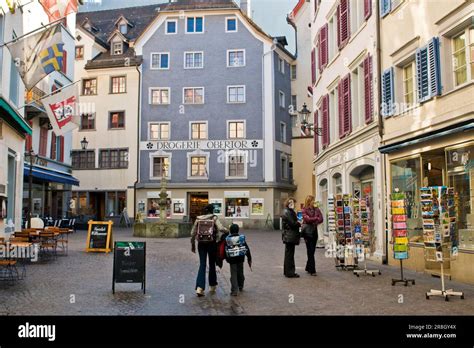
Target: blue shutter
[(428, 71), (164, 61), (199, 24), (190, 25), (385, 7), (388, 97)]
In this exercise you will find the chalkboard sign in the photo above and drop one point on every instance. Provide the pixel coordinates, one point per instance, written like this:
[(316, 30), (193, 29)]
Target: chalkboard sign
[(129, 263), (99, 236)]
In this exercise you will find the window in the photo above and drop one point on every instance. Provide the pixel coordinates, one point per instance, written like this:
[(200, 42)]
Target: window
[(113, 158), (160, 61), (159, 96), (333, 116), (283, 132), (293, 72), (198, 130), (281, 65), (357, 97), (235, 58), (43, 143), (337, 183), (194, 25), (284, 167), (463, 56), (193, 95), (83, 159), (385, 7), (123, 29), (79, 52), (89, 87), (236, 129), (116, 119), (193, 60), (357, 15), (236, 165), (88, 121), (332, 37), (160, 167), (118, 84), (237, 207), (117, 48), (294, 102), (172, 26), (409, 84), (428, 71), (281, 100), (231, 25), (199, 166), (235, 94), (159, 131)]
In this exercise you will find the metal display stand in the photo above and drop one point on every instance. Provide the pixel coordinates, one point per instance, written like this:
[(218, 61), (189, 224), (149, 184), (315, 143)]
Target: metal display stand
[(402, 278), (345, 255), (440, 232)]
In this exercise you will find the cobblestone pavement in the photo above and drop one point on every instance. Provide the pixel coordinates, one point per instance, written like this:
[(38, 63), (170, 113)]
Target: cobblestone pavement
[(171, 272)]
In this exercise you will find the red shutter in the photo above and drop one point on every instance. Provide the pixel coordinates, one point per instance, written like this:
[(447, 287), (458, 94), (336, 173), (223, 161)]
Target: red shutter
[(340, 97), (315, 135), (53, 146), (313, 66), (324, 46), (320, 51), (325, 106), (367, 8), (29, 140), (61, 149), (338, 11), (369, 98), (347, 105), (43, 141), (64, 67), (343, 23)]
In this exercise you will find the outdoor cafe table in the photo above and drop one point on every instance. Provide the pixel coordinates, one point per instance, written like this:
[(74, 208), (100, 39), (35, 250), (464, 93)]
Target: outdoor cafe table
[(21, 260)]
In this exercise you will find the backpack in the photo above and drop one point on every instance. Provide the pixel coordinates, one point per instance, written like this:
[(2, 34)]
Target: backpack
[(235, 246), (206, 231)]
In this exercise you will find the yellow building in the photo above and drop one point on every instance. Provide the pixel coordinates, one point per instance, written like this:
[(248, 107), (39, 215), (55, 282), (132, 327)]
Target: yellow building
[(427, 68)]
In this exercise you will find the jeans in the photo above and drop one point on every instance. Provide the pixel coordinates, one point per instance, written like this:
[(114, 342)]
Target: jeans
[(310, 249), (237, 277), (289, 264), (205, 250)]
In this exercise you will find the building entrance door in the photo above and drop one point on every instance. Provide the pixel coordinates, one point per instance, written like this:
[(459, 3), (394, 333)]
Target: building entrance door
[(197, 202), (97, 204)]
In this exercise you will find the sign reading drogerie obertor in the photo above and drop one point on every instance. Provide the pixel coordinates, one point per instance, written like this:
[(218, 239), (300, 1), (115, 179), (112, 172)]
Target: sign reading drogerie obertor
[(202, 145), (99, 236)]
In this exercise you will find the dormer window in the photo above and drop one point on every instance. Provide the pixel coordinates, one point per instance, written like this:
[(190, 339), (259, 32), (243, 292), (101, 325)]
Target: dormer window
[(124, 29), (117, 48)]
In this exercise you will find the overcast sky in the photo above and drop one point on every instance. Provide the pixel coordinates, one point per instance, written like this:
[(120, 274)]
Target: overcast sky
[(269, 14)]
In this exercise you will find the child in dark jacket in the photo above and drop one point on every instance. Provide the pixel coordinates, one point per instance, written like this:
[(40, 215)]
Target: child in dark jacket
[(236, 250)]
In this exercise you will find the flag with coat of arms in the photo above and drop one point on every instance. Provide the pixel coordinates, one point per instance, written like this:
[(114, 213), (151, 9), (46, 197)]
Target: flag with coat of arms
[(57, 9), (63, 109), (38, 55)]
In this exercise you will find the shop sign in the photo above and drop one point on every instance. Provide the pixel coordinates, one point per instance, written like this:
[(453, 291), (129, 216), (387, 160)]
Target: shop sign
[(236, 194), (202, 145)]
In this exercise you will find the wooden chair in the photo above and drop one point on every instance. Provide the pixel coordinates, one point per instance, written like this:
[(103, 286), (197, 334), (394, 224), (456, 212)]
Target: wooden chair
[(19, 240), (63, 240), (22, 234), (48, 243), (9, 271)]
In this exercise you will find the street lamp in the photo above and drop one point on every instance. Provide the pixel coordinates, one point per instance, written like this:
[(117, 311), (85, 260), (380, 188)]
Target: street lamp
[(305, 125), (84, 144), (32, 157)]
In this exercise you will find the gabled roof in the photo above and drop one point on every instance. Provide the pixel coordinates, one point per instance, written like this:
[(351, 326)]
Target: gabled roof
[(122, 17), (117, 32), (187, 5)]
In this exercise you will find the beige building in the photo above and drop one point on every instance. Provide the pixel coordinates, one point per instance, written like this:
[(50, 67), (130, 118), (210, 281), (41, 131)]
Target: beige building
[(344, 68), (105, 145), (302, 143), (428, 88)]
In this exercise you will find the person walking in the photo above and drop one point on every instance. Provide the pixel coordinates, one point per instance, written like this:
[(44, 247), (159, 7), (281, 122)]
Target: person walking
[(236, 249), (207, 230), (312, 217), (291, 237)]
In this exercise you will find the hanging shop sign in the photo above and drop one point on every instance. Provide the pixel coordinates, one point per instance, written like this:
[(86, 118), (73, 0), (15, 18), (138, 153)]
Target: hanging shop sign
[(202, 145)]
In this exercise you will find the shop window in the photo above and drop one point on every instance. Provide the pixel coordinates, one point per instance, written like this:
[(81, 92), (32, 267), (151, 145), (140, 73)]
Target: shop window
[(460, 170), (406, 177), (237, 207), (337, 183), (154, 207)]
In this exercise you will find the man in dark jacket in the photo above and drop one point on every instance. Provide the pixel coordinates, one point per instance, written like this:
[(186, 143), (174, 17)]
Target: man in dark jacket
[(236, 250), (291, 237)]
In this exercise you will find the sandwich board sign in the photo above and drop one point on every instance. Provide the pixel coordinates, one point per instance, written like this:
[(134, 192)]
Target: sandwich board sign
[(99, 236), (129, 263)]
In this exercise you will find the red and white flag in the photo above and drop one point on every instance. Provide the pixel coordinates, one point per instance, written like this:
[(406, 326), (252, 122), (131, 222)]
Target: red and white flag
[(57, 9), (63, 110)]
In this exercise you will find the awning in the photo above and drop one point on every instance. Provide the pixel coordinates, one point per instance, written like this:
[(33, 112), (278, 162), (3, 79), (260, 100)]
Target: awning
[(51, 175), (13, 118), (457, 128)]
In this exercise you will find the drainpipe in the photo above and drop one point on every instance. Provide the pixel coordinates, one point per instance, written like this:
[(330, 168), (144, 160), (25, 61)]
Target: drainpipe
[(138, 142), (292, 23), (381, 130)]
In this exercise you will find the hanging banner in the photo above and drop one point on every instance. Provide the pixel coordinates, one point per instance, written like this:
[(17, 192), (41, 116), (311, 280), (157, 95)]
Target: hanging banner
[(62, 109), (57, 9), (38, 55)]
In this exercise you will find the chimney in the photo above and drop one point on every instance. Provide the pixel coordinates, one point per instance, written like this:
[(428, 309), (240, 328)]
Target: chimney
[(245, 6)]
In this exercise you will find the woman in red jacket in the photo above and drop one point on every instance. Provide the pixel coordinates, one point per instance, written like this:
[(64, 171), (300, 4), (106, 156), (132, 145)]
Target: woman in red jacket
[(312, 217)]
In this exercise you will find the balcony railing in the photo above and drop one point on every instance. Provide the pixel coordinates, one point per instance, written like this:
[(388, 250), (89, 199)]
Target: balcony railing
[(34, 96)]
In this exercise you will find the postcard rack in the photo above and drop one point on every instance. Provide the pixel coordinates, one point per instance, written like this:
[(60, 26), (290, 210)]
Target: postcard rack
[(345, 255)]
